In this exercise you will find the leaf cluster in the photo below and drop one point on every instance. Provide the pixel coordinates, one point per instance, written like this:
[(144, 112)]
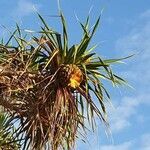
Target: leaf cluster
[(49, 114)]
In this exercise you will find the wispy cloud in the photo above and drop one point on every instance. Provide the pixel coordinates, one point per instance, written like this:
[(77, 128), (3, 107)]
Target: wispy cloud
[(145, 142), (129, 108), (122, 146), (138, 40), (25, 8), (125, 110), (140, 143), (145, 14)]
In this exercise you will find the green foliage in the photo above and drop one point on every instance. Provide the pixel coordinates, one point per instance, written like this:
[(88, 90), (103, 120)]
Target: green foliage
[(7, 139), (51, 114)]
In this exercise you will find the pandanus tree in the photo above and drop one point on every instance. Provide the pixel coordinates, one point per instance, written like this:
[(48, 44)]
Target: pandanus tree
[(47, 86), (7, 129)]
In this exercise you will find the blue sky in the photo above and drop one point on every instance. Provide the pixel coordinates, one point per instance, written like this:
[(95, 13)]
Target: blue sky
[(124, 30)]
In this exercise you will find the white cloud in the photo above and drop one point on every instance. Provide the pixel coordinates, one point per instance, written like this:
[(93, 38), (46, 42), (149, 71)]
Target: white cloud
[(123, 146), (121, 114), (145, 14), (145, 142), (128, 107), (137, 41), (24, 8), (139, 143), (127, 110)]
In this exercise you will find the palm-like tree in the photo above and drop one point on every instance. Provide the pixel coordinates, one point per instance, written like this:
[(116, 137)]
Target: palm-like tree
[(47, 85), (7, 140)]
